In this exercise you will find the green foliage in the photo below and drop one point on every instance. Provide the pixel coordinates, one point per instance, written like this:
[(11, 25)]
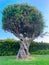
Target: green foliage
[(41, 52), (23, 18), (11, 47), (35, 46)]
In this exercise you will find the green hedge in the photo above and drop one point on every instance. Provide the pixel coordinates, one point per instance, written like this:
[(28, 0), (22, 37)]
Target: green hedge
[(38, 46), (11, 47), (41, 52)]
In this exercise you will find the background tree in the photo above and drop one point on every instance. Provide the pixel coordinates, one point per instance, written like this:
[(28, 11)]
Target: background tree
[(25, 22)]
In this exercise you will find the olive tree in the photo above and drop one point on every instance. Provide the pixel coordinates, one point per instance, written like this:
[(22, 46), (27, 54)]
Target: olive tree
[(25, 22)]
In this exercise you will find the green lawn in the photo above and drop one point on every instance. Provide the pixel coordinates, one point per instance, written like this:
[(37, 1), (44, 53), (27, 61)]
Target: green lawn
[(36, 60)]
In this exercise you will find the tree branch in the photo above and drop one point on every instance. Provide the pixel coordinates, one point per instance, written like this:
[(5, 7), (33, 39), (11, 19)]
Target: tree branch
[(44, 34)]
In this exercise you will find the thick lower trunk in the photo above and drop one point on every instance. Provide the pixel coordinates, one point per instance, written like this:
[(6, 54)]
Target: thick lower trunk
[(24, 50)]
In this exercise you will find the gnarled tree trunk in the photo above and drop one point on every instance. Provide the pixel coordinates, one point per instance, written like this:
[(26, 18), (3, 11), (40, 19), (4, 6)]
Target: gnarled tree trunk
[(24, 49)]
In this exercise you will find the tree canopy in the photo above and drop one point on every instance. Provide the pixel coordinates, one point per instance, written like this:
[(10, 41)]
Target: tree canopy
[(22, 19)]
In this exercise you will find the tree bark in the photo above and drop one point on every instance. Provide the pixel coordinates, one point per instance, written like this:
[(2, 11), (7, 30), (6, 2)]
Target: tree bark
[(24, 49)]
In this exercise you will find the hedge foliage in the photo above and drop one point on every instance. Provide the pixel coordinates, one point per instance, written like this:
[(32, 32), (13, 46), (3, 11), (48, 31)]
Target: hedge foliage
[(11, 47), (38, 46), (41, 52)]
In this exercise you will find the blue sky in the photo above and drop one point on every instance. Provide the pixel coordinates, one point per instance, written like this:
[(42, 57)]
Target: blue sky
[(42, 5)]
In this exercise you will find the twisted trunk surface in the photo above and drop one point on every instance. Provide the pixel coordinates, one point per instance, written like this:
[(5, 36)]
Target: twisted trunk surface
[(24, 49)]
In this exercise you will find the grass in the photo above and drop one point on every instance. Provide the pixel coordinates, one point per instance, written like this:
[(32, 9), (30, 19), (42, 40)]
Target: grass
[(36, 60)]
